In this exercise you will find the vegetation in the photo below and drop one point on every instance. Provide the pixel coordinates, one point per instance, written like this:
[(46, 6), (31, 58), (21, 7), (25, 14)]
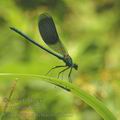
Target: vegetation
[(90, 33)]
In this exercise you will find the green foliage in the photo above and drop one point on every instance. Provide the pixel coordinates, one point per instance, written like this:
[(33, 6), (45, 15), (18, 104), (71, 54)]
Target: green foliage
[(90, 33)]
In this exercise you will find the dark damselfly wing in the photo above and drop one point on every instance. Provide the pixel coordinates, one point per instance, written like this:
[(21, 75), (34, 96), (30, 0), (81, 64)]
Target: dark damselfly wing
[(49, 34)]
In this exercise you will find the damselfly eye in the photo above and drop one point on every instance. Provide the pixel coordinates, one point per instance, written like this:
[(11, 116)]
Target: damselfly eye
[(76, 66)]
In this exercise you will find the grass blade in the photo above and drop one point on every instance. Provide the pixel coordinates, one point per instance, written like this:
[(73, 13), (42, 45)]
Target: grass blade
[(97, 105)]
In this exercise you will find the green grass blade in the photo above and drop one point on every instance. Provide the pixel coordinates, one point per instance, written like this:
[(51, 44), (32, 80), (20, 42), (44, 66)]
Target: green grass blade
[(97, 105)]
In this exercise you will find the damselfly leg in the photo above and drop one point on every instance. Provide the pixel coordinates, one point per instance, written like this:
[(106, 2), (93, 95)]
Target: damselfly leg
[(69, 76), (55, 68), (62, 71)]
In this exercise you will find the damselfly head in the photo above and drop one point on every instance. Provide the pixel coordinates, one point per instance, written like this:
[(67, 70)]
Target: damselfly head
[(75, 66)]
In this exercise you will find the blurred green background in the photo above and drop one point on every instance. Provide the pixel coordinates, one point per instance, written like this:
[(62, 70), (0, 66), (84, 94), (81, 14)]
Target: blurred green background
[(90, 31)]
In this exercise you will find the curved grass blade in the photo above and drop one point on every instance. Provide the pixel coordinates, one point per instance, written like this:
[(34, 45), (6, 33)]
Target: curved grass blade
[(97, 105)]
